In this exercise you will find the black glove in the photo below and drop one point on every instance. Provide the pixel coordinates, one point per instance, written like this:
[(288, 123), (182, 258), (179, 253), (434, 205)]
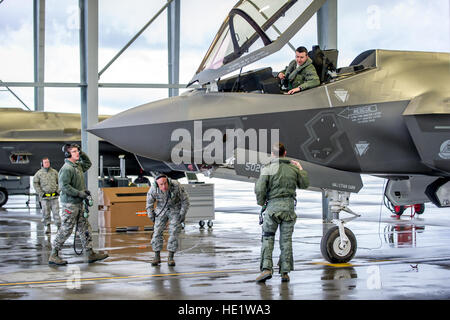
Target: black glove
[(84, 194)]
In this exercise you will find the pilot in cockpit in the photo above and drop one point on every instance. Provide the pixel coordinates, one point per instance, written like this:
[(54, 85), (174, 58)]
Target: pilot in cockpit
[(300, 74)]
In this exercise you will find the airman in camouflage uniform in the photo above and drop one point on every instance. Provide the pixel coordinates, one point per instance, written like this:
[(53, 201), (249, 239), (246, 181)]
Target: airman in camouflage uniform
[(276, 188), (45, 182), (172, 204), (73, 192)]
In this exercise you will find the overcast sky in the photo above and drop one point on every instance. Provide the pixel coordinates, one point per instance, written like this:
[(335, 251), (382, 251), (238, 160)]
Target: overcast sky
[(362, 25)]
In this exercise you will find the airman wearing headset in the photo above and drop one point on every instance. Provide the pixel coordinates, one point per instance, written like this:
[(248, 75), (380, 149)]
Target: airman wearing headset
[(172, 204), (73, 192), (45, 182)]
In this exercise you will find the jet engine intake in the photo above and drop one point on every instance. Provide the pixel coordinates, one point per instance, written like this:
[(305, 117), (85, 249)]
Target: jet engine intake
[(439, 192)]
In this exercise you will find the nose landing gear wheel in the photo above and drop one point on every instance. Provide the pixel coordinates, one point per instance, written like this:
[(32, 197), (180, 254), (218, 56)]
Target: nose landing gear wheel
[(331, 247)]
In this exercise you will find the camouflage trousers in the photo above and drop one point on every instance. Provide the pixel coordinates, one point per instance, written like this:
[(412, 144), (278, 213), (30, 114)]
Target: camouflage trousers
[(269, 229), (174, 229), (71, 214), (48, 206)]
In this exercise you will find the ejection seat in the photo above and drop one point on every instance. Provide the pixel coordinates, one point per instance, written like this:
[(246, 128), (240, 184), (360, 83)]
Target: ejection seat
[(324, 61)]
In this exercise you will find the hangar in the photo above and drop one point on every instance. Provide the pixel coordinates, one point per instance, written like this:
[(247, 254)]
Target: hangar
[(220, 260)]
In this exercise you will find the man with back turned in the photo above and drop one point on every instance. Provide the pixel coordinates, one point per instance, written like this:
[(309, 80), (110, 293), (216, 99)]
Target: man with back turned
[(275, 189)]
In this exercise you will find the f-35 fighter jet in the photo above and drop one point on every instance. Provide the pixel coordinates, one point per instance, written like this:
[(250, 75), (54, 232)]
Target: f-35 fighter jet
[(386, 114)]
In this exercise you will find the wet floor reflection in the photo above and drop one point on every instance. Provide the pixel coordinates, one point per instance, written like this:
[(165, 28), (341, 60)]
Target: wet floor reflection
[(136, 246), (20, 243), (265, 291), (130, 246), (223, 262), (167, 287), (286, 291), (337, 283), (402, 235)]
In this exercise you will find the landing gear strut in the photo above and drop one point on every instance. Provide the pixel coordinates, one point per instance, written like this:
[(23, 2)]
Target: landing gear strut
[(339, 244)]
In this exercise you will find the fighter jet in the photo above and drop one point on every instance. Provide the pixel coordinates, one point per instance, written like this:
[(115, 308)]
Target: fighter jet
[(387, 114), (26, 137)]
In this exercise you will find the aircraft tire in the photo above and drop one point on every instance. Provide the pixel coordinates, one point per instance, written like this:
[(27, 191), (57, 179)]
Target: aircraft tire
[(330, 246), (419, 208), (3, 196), (399, 210)]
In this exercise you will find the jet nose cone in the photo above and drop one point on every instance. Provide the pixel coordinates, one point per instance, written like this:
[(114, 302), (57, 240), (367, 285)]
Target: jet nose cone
[(145, 130)]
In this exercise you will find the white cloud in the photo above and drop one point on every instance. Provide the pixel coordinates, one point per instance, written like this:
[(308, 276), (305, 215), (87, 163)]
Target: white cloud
[(200, 21), (9, 101), (16, 54), (396, 25)]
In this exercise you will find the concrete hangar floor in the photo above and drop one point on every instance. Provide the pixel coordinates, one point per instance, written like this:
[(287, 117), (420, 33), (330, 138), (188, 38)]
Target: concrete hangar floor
[(397, 258)]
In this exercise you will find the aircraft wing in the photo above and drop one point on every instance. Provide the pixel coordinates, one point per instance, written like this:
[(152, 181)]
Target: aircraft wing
[(253, 29)]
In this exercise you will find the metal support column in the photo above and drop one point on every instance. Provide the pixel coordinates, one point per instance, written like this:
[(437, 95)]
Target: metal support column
[(39, 51), (327, 25), (173, 40), (89, 96), (327, 38)]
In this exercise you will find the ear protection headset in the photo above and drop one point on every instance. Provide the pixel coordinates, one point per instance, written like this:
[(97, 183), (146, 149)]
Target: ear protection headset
[(162, 176), (66, 148)]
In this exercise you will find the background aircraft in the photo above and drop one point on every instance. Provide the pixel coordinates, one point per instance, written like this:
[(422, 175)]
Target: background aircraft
[(42, 134)]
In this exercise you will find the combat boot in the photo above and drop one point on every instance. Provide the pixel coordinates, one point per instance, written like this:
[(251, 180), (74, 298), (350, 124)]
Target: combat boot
[(285, 277), (48, 230), (55, 259), (263, 276), (156, 259), (171, 260), (95, 256)]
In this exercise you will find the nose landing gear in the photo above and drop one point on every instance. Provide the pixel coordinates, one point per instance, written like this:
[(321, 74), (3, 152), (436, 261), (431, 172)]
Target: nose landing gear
[(339, 244)]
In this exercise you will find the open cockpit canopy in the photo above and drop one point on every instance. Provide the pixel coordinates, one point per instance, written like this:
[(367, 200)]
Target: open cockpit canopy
[(253, 30)]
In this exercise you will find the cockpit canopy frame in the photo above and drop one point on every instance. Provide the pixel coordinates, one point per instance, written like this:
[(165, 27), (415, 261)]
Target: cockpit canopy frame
[(247, 22)]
